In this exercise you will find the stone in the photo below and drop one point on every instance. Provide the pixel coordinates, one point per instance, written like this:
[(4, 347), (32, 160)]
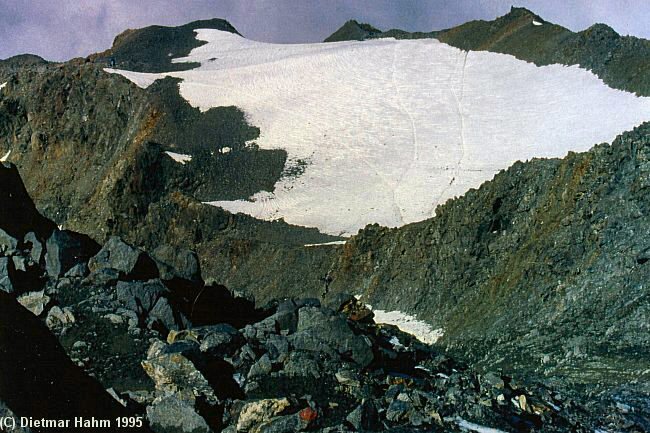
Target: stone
[(172, 371), (7, 243), (317, 328), (140, 296), (169, 413), (364, 417), (177, 263), (6, 267), (258, 412), (163, 314), (262, 367), (20, 263), (282, 424), (34, 301), (65, 249), (35, 247), (80, 270), (132, 263), (59, 318)]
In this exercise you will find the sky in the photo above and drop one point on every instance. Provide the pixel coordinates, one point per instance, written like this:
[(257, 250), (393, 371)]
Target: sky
[(63, 29)]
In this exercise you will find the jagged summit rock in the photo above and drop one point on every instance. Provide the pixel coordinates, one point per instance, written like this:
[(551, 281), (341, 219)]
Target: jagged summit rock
[(151, 49), (353, 31)]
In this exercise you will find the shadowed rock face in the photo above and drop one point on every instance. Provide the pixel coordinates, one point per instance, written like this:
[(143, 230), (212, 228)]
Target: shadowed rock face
[(38, 379), (18, 214)]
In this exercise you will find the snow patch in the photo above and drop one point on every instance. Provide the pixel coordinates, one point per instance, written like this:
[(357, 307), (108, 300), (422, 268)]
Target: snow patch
[(225, 149), (142, 80), (537, 23), (409, 324), (6, 156), (325, 243), (475, 427), (180, 157), (3, 85), (392, 128)]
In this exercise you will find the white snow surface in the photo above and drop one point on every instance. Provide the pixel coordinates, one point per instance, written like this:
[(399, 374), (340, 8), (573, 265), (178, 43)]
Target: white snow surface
[(6, 156), (476, 427), (2, 86), (325, 243), (180, 157), (390, 129), (537, 23), (409, 324)]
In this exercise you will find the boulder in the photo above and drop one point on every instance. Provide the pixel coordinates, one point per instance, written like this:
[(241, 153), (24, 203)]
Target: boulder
[(132, 263), (170, 413), (58, 318), (365, 417), (7, 242), (35, 247), (34, 301), (172, 371), (66, 249), (6, 267), (257, 412), (149, 301), (322, 330), (177, 263)]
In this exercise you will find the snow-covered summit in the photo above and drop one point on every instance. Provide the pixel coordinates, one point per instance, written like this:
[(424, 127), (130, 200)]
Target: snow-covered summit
[(390, 129)]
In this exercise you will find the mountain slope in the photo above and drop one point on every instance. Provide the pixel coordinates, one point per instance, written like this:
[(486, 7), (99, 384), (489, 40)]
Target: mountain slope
[(620, 61)]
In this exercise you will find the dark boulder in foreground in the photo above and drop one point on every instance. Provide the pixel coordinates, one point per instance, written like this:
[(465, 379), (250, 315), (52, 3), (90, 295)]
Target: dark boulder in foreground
[(38, 379)]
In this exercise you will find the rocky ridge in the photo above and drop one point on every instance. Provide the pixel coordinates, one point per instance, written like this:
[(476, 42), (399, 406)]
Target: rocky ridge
[(190, 357), (620, 61)]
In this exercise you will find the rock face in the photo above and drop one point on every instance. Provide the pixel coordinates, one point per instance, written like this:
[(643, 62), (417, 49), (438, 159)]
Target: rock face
[(294, 366)]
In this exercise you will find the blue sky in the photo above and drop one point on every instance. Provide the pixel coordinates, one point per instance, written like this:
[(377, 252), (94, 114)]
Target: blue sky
[(62, 29)]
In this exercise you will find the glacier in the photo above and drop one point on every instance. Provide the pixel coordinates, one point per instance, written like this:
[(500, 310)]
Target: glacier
[(391, 128)]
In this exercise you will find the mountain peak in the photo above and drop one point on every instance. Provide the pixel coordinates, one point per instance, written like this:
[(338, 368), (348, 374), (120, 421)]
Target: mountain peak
[(152, 48), (352, 30)]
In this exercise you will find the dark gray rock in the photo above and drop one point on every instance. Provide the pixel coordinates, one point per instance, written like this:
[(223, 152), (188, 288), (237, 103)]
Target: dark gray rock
[(140, 296), (322, 330), (7, 243), (80, 270), (262, 367), (6, 267), (170, 413), (132, 263), (365, 417), (20, 263), (66, 249), (177, 263), (35, 247)]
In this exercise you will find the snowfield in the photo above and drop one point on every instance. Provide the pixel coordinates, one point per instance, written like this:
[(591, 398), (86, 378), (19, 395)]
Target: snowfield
[(409, 324), (179, 157), (390, 129)]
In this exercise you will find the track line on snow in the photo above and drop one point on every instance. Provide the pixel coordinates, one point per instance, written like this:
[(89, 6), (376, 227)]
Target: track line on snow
[(461, 118)]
